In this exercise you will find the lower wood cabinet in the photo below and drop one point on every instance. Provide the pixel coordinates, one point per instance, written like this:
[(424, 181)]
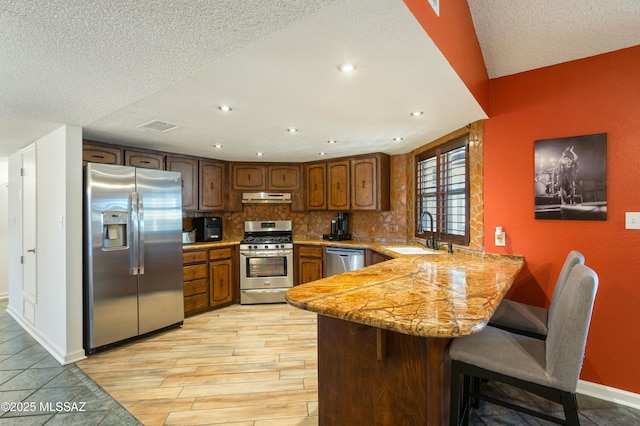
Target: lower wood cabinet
[(372, 257), (310, 263), (221, 276), (196, 281), (210, 278)]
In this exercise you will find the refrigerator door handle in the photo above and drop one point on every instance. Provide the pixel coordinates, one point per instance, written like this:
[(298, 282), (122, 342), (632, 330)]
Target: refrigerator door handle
[(134, 261), (140, 235)]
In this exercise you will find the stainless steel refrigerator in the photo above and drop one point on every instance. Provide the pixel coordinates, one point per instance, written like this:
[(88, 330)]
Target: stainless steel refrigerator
[(133, 281)]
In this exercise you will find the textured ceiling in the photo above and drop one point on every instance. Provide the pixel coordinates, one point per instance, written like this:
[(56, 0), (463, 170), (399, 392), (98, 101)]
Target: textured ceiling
[(109, 67), (521, 35)]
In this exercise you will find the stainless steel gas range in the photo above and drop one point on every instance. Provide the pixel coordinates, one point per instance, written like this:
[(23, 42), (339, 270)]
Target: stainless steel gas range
[(266, 261)]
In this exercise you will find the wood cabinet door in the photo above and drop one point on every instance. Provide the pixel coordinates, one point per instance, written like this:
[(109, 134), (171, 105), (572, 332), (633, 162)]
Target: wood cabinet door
[(364, 185), (100, 154), (310, 269), (188, 168), (316, 185), (212, 185), (249, 177), (220, 273), (146, 160), (285, 177), (338, 181)]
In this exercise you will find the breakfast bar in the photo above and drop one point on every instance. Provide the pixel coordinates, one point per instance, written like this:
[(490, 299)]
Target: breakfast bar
[(383, 331)]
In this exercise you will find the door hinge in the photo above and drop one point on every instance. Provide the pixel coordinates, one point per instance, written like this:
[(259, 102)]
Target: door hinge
[(22, 260), (21, 171)]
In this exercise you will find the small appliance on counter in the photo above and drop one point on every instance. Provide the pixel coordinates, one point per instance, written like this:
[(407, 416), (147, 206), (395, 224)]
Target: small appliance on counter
[(339, 228), (188, 237), (208, 228)]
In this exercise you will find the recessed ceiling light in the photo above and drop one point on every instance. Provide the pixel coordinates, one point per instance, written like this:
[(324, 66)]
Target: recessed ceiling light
[(416, 113), (322, 153), (259, 154), (292, 130), (225, 108), (332, 141), (216, 146), (398, 139), (347, 68)]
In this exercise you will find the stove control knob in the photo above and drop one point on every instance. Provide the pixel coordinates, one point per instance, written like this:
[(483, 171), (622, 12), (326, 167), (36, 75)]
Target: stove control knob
[(266, 246), (255, 247)]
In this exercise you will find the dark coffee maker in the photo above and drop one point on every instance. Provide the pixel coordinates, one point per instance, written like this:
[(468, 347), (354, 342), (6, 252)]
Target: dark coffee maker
[(339, 228), (208, 228)]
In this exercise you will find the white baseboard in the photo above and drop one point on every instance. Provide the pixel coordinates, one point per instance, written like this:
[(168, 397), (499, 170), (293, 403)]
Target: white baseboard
[(607, 393), (62, 358)]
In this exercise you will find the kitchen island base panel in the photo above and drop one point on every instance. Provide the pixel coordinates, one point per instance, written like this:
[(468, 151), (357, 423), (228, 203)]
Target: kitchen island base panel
[(378, 377)]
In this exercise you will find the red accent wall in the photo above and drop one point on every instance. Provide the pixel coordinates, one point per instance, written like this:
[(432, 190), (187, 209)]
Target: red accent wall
[(600, 94), (454, 34)]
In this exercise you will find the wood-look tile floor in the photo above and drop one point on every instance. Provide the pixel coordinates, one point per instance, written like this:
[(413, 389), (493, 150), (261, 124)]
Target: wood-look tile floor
[(240, 365)]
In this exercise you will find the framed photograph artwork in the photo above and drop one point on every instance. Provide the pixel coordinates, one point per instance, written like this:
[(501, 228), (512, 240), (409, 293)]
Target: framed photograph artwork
[(571, 178)]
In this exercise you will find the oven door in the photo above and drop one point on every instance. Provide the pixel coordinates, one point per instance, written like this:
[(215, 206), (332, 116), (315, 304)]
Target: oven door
[(265, 269)]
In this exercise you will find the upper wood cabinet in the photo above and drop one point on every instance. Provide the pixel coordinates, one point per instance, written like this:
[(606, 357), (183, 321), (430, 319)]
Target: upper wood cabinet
[(284, 177), (338, 185), (100, 154), (147, 160), (249, 177), (188, 167), (316, 186), (356, 183), (371, 183), (213, 185)]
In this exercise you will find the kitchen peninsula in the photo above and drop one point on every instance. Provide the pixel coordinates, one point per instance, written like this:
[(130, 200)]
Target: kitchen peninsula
[(383, 331)]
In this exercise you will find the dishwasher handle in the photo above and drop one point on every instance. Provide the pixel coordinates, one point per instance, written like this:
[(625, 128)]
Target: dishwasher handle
[(345, 251)]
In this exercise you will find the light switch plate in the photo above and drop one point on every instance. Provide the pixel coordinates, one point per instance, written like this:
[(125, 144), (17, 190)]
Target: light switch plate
[(632, 220)]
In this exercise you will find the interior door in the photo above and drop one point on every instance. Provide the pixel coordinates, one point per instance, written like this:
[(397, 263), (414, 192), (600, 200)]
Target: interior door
[(29, 232)]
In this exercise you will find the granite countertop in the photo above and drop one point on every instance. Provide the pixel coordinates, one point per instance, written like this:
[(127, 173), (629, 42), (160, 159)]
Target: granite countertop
[(436, 295), (212, 244)]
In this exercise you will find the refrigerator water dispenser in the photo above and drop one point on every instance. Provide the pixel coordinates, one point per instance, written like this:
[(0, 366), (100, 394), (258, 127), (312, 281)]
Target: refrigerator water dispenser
[(114, 230)]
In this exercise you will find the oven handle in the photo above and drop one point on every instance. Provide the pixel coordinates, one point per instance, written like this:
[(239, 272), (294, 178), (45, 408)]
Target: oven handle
[(266, 253)]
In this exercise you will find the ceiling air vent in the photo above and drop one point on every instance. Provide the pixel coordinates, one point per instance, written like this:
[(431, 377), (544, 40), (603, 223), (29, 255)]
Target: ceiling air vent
[(158, 125)]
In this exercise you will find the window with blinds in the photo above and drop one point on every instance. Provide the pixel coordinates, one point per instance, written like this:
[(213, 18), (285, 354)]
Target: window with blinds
[(442, 189)]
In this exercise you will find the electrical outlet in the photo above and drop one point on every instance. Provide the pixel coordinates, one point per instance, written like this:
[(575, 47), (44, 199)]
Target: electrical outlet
[(632, 220)]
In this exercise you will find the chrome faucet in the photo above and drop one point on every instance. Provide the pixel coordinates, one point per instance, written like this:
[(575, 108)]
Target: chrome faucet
[(429, 242)]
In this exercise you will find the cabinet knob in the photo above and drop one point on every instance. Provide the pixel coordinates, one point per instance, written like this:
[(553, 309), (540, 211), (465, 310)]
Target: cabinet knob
[(363, 185), (211, 185)]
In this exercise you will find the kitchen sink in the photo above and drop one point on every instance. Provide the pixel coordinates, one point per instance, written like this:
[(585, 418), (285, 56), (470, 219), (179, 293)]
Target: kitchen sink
[(414, 250)]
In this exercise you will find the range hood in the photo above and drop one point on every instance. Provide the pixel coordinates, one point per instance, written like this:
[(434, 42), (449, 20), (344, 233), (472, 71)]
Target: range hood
[(266, 197)]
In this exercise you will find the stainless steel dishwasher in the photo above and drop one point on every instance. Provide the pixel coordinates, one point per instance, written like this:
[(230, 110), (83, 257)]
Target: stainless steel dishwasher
[(339, 260)]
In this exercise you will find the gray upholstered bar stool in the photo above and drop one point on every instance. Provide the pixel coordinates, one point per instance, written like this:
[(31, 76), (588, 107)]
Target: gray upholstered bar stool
[(528, 319), (548, 368)]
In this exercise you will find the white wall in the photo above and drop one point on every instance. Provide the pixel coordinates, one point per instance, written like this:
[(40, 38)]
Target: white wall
[(58, 311), (4, 224)]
